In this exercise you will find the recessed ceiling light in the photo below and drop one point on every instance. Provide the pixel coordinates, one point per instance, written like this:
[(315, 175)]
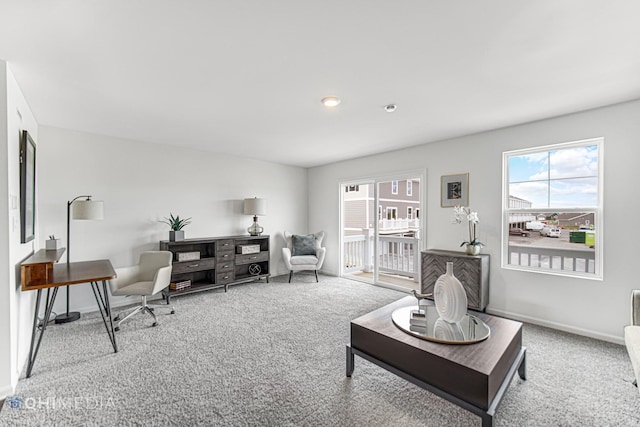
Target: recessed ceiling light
[(330, 101), (390, 108)]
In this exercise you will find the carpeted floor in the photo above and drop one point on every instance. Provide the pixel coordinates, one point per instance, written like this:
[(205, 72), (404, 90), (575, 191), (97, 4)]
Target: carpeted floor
[(274, 354)]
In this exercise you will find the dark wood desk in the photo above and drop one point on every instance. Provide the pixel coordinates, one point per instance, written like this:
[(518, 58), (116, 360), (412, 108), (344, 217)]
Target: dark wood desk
[(51, 277)]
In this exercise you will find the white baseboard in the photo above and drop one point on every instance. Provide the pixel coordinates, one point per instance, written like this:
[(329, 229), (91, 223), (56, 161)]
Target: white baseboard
[(6, 391), (559, 326)]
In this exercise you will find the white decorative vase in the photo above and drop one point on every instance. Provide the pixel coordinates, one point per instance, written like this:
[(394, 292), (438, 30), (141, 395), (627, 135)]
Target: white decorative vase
[(472, 249), (450, 297)]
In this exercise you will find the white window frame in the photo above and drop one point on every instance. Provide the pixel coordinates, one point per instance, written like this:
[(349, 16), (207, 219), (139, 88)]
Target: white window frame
[(394, 187), (409, 212), (409, 187), (597, 210), (389, 210)]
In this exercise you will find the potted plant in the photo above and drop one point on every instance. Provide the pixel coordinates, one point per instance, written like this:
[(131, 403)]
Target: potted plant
[(461, 213), (176, 225)]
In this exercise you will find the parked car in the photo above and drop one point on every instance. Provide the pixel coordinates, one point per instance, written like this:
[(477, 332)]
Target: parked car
[(519, 232), (550, 232)]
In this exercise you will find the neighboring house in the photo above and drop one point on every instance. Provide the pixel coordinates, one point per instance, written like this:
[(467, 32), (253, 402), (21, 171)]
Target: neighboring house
[(576, 220), (359, 209), (398, 200)]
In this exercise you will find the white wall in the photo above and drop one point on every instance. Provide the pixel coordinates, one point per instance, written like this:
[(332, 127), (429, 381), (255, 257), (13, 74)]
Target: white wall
[(15, 306), (594, 308), (140, 183)]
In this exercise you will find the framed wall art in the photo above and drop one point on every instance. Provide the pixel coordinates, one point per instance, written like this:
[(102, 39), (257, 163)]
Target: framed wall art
[(27, 188), (454, 190)]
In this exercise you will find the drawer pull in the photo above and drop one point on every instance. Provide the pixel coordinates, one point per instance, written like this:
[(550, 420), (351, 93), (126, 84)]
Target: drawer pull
[(226, 256), (194, 265), (225, 266)]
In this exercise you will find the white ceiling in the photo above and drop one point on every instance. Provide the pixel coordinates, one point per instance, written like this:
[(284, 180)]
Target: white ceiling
[(245, 77)]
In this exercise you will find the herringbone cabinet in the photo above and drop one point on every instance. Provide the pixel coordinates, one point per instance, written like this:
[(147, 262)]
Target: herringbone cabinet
[(471, 270)]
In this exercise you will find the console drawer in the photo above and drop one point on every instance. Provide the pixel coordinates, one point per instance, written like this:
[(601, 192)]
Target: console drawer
[(250, 258), (198, 265), (225, 266), (225, 256), (224, 245), (224, 278)]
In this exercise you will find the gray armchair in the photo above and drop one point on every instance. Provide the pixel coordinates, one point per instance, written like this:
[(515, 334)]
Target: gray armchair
[(632, 334), (305, 253)]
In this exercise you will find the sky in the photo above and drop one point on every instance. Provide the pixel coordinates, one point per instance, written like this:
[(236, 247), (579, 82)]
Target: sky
[(558, 178)]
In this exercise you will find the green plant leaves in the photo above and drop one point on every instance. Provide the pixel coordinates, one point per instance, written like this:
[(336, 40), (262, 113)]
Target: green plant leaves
[(176, 223)]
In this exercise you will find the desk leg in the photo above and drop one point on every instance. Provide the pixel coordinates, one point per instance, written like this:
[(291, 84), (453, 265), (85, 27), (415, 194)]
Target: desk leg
[(33, 352), (102, 299)]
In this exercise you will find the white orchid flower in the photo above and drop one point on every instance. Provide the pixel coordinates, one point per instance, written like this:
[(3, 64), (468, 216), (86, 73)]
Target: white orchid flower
[(460, 213)]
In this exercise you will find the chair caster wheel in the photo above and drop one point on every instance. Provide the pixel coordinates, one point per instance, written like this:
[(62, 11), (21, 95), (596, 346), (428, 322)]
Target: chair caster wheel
[(173, 312), (155, 324), (115, 319), (117, 328)]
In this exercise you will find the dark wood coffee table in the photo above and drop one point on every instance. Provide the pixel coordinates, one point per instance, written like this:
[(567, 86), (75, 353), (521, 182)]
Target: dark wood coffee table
[(474, 377)]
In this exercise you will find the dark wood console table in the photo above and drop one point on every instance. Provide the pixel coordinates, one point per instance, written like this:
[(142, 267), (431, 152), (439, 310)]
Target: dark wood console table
[(219, 263), (40, 271)]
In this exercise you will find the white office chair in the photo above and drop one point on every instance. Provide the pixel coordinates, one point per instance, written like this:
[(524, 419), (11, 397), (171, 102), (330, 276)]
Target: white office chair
[(151, 275), (311, 259)]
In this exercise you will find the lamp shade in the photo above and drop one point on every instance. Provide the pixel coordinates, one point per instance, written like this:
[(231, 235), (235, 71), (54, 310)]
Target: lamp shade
[(87, 209), (255, 206)]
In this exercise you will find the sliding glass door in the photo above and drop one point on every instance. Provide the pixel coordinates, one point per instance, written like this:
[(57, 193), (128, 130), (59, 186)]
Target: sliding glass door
[(381, 230), (359, 217)]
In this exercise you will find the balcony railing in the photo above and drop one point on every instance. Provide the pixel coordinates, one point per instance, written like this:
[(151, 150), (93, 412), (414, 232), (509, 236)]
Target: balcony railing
[(396, 255), (583, 261), (400, 256), (398, 224)]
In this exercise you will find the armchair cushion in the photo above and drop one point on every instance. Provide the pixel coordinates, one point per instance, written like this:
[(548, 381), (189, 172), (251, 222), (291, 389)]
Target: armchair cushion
[(303, 245), (304, 260)]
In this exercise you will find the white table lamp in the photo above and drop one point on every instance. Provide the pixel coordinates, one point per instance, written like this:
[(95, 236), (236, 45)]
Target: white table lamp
[(256, 207)]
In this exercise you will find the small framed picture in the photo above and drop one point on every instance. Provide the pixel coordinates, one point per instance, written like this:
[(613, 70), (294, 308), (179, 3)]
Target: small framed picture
[(454, 190)]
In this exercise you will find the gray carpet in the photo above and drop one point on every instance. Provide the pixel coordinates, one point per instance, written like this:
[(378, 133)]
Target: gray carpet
[(274, 354)]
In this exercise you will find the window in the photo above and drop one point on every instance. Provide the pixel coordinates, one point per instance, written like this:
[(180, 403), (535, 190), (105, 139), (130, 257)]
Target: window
[(380, 212), (394, 187), (392, 213), (409, 188), (409, 212), (351, 188), (552, 209)]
